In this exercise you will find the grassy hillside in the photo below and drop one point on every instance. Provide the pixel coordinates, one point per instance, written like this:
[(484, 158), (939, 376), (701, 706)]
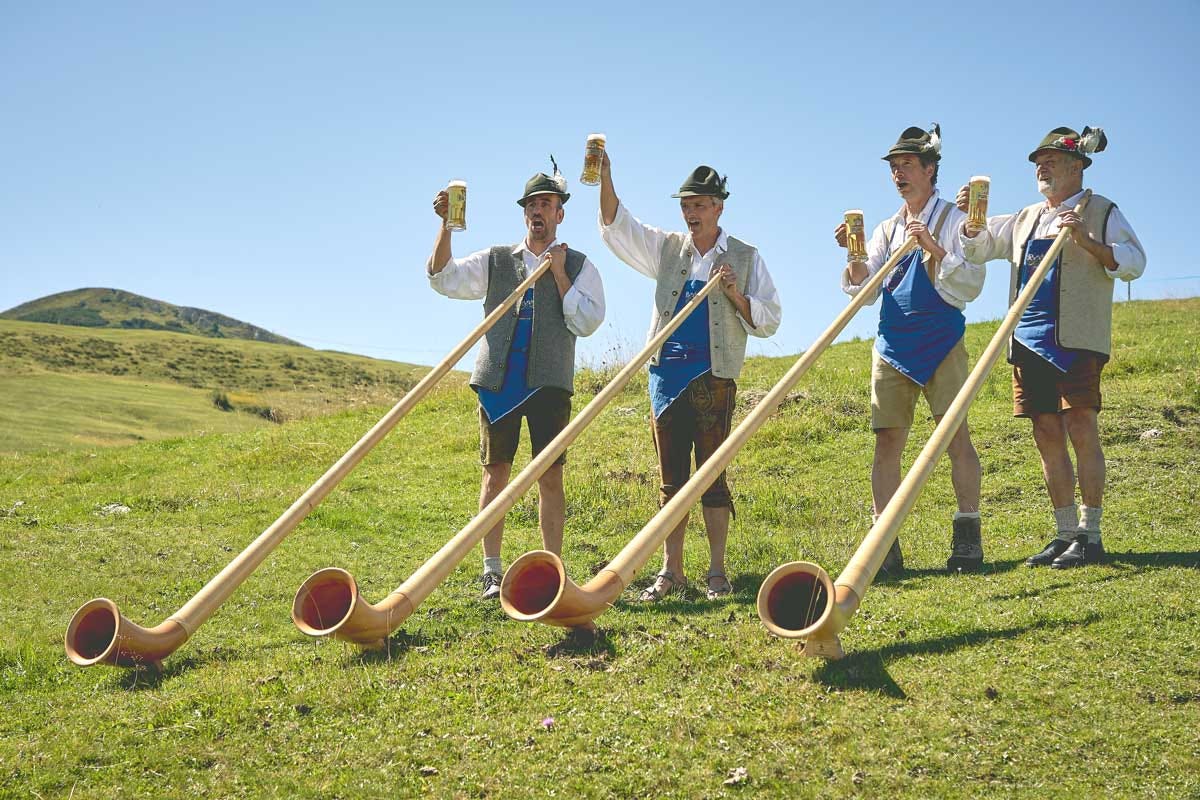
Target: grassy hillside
[(113, 308), (63, 387), (1016, 682)]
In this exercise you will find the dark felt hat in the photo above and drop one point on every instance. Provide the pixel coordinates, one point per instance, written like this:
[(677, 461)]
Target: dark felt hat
[(917, 142), (544, 184), (703, 182), (1065, 140)]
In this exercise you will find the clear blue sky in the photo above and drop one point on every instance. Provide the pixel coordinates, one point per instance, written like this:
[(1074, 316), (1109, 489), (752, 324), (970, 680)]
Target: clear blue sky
[(276, 161)]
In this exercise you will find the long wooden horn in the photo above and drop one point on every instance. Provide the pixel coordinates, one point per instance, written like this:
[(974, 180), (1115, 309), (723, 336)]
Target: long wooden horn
[(100, 634), (536, 587), (328, 603), (798, 600)]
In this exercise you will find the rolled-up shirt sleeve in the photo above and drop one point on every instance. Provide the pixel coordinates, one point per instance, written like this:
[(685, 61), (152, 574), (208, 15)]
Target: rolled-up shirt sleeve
[(583, 304), (637, 244), (1127, 248), (463, 278), (766, 311), (991, 243), (958, 278)]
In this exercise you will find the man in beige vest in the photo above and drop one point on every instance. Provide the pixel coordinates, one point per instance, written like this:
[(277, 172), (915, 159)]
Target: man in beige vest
[(1064, 337), (919, 348), (692, 378)]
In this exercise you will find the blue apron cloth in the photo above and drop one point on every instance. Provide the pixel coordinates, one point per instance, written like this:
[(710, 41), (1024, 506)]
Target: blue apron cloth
[(684, 355), (1037, 329), (514, 390), (917, 328)]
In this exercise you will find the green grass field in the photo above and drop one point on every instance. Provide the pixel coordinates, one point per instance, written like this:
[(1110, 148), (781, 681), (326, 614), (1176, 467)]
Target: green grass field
[(63, 386), (1014, 683)]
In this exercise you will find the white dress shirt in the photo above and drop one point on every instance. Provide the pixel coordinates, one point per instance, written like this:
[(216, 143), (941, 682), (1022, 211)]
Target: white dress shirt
[(997, 240), (640, 246), (583, 304), (958, 280)]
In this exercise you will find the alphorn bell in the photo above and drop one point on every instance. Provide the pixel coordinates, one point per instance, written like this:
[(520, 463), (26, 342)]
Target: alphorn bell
[(536, 587), (329, 604), (100, 633), (798, 600)]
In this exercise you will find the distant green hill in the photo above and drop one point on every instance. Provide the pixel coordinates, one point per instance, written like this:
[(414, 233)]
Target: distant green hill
[(113, 308), (70, 387)]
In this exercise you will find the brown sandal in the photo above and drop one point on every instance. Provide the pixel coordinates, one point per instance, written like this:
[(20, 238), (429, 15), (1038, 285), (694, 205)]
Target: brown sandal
[(722, 589), (664, 583)]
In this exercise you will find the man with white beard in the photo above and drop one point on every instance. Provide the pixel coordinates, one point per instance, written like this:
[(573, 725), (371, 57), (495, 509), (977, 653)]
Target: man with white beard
[(1064, 337)]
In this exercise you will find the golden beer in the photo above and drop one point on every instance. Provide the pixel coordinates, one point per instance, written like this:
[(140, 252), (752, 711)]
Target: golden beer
[(456, 211), (978, 202), (856, 237), (593, 159)]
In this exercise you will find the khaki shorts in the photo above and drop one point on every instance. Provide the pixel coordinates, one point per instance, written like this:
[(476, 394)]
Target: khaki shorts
[(894, 396), (548, 411), (1039, 388)]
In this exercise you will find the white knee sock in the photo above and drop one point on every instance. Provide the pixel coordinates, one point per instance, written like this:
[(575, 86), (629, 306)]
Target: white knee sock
[(966, 515), (1067, 519), (492, 565), (1089, 522)]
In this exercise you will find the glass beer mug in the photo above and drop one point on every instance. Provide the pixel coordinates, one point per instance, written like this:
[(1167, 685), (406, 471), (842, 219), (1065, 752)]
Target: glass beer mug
[(456, 211), (856, 238), (593, 159), (977, 204)]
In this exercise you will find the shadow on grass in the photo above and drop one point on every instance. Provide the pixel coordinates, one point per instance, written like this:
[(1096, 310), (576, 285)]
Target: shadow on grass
[(867, 669), (147, 677), (398, 645), (1160, 560), (578, 642), (1118, 567), (692, 600)]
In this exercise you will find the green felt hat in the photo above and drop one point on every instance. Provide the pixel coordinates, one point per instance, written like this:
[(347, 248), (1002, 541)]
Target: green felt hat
[(703, 182), (542, 183), (1065, 140), (917, 142)]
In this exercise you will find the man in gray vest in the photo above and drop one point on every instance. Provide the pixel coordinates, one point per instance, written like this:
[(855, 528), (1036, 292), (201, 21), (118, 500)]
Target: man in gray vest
[(1064, 337), (526, 363), (920, 349), (692, 378)]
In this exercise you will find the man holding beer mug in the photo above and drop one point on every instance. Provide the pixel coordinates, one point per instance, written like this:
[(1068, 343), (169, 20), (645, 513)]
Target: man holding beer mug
[(919, 348), (692, 378), (526, 364), (1064, 337)]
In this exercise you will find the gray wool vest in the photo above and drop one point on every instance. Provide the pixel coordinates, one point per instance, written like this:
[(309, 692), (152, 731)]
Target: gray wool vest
[(726, 336), (552, 346), (1085, 292)]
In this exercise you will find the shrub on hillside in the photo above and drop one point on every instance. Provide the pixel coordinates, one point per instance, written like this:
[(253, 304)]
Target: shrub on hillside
[(221, 400)]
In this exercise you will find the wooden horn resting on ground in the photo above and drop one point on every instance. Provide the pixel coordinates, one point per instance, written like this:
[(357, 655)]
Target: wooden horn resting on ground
[(99, 633), (328, 603), (798, 600), (536, 587)]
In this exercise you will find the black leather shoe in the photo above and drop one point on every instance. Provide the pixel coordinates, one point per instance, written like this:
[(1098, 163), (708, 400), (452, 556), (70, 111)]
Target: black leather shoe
[(1052, 551), (491, 586), (893, 562), (1079, 553), (966, 547)]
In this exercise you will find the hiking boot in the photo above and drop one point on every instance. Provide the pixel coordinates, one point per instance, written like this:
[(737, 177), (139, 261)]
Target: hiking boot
[(1079, 553), (1052, 551), (893, 562), (491, 586), (966, 546)]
